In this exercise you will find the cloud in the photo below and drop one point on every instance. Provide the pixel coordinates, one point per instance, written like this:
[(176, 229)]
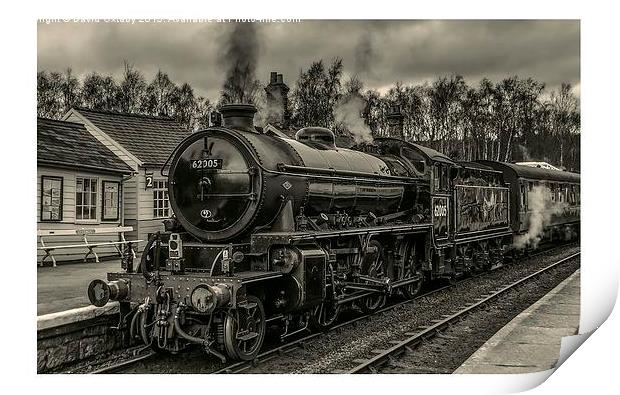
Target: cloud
[(386, 51)]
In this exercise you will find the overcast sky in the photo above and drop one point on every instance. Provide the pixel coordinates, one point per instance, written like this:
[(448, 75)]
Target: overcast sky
[(381, 52)]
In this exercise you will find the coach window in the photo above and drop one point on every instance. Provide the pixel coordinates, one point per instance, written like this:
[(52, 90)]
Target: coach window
[(51, 198), (552, 192), (523, 200), (110, 193), (161, 204)]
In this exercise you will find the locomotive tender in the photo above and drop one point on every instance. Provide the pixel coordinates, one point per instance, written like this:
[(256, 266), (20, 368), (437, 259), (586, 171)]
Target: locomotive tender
[(276, 232)]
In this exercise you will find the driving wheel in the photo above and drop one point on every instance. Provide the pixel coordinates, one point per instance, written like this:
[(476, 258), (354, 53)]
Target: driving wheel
[(324, 315), (373, 266), (244, 330)]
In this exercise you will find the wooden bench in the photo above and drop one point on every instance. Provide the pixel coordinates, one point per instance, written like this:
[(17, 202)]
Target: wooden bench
[(84, 232)]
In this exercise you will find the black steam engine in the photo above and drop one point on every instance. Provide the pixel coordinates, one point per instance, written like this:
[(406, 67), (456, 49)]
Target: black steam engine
[(274, 232)]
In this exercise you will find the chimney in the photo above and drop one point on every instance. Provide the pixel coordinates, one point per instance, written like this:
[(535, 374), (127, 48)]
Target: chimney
[(215, 119), (238, 116), (395, 121), (277, 101)]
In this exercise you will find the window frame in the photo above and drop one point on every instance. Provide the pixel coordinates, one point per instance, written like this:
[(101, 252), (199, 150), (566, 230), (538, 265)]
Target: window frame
[(96, 205), (62, 190), (160, 212), (118, 200)]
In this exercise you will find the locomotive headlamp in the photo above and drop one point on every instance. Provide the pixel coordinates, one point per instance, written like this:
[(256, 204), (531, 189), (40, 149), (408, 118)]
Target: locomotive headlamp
[(175, 246), (101, 292), (205, 298)]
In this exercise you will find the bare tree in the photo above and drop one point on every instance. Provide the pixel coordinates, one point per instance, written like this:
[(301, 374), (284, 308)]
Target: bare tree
[(566, 118), (99, 93), (131, 90)]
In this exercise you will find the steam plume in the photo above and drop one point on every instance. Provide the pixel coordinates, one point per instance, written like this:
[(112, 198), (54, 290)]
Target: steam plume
[(274, 107), (542, 209), (525, 152), (349, 113)]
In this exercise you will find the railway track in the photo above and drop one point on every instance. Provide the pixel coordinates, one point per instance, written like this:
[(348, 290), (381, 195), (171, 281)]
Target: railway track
[(372, 365), (119, 366), (240, 367), (283, 349)]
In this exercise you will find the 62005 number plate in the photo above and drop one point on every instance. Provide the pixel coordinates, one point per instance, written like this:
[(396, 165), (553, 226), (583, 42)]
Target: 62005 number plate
[(213, 163)]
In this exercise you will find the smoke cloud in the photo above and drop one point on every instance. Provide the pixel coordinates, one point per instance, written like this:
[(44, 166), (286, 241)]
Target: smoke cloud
[(349, 113), (364, 54), (542, 209), (239, 53)]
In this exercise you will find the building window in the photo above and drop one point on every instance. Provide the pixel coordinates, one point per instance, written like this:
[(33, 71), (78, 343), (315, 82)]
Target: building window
[(85, 198), (161, 204), (110, 193), (51, 198)]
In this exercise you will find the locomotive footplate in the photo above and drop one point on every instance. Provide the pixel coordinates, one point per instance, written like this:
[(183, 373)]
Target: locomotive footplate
[(261, 242)]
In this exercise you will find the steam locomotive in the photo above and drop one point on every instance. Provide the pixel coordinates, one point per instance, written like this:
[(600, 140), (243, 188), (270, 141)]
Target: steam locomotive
[(272, 232)]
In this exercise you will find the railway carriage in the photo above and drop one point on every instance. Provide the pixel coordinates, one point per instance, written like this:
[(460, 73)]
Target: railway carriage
[(271, 231), (539, 194)]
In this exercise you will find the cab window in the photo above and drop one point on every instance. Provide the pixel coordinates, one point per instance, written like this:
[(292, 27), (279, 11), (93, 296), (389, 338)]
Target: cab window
[(440, 177), (416, 159)]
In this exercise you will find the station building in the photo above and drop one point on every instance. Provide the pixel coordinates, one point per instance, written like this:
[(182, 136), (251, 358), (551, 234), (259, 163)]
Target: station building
[(79, 185), (143, 143)]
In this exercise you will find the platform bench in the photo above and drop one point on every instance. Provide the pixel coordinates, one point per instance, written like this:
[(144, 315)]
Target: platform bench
[(84, 232)]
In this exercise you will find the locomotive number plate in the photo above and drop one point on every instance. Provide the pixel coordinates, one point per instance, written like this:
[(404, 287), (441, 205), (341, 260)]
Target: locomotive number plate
[(213, 163)]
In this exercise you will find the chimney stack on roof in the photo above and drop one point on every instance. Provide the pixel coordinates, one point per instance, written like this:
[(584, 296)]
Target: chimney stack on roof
[(396, 122), (277, 101)]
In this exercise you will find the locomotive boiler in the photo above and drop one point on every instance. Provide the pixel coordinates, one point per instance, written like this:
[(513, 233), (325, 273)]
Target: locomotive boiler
[(229, 180), (284, 233)]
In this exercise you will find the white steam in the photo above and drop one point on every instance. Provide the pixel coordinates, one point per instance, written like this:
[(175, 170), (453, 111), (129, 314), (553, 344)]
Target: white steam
[(349, 113), (541, 208)]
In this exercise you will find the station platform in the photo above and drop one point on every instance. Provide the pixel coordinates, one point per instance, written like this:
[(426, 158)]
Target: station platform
[(531, 341), (64, 287)]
